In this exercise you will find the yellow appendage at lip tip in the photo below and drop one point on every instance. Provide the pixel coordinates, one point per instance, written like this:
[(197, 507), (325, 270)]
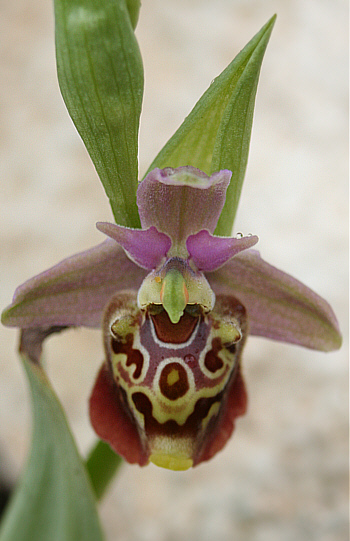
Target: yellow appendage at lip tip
[(171, 462)]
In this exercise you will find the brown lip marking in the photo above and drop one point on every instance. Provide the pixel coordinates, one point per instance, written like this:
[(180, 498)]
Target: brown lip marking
[(134, 356), (171, 333), (173, 381), (212, 361)]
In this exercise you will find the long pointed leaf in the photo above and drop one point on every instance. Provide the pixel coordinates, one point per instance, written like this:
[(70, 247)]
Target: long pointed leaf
[(216, 133), (54, 500), (233, 137), (101, 79)]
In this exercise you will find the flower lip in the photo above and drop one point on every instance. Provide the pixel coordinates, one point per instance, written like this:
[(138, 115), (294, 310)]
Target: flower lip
[(173, 404)]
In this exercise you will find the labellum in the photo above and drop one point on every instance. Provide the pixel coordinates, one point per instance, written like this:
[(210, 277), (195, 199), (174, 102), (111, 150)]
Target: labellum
[(169, 392)]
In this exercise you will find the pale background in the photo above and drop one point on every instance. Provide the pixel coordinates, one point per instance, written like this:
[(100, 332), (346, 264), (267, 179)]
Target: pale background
[(283, 476)]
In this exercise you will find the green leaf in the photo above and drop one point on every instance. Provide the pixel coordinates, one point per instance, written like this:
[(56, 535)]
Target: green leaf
[(54, 500), (102, 464), (101, 79), (216, 133)]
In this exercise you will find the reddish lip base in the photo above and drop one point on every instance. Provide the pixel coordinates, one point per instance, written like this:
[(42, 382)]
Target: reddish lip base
[(112, 422)]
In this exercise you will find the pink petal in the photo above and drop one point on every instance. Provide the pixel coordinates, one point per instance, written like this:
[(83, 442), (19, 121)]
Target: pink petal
[(182, 201), (147, 247), (279, 306), (75, 291), (209, 253)]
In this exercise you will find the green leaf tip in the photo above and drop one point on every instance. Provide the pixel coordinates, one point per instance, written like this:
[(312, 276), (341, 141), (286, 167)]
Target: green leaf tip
[(133, 7), (216, 133)]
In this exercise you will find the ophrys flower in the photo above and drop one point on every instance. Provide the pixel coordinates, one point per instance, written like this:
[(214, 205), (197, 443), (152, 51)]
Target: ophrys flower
[(176, 304)]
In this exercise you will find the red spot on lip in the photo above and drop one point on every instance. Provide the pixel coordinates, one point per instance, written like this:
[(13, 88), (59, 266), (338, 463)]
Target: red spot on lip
[(190, 360)]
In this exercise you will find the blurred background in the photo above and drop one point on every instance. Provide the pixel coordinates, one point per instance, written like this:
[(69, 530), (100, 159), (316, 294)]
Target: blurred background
[(284, 473)]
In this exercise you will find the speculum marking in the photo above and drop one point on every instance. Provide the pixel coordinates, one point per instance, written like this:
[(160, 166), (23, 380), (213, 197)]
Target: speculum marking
[(173, 381)]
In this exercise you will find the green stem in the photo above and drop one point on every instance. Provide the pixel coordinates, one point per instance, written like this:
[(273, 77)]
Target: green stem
[(102, 464)]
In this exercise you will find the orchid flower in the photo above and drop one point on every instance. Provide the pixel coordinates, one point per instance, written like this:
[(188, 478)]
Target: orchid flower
[(176, 304), (174, 294)]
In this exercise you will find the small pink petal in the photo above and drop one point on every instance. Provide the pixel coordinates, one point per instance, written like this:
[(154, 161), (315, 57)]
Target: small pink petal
[(209, 253), (146, 247)]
